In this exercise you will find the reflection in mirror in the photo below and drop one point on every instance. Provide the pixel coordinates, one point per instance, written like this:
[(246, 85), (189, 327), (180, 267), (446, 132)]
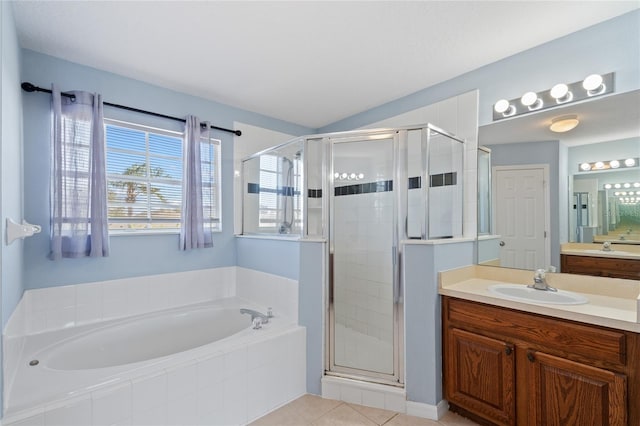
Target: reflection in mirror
[(609, 129), (606, 203)]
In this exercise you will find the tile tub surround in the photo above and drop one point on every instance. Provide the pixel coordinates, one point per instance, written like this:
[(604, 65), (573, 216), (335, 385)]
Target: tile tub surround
[(232, 381), (613, 302)]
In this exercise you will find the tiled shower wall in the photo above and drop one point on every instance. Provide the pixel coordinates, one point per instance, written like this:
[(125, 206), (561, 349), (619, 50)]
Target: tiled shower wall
[(363, 239)]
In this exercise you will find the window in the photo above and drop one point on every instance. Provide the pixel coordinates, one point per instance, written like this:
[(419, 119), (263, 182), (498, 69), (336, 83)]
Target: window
[(279, 198), (144, 178)]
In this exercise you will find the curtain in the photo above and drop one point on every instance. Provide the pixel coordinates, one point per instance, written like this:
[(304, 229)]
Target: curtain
[(78, 195), (193, 232)]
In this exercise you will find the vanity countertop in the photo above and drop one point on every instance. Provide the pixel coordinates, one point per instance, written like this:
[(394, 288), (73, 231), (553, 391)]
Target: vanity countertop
[(613, 302), (619, 251)]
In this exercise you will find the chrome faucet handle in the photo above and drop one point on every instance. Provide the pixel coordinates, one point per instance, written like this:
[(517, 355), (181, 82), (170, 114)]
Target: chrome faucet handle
[(257, 323), (540, 275)]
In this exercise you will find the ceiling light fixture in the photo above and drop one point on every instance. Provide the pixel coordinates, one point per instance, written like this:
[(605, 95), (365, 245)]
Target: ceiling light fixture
[(559, 94), (564, 123)]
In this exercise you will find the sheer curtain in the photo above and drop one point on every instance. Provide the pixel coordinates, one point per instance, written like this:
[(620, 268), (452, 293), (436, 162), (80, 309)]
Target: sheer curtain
[(193, 232), (78, 194)]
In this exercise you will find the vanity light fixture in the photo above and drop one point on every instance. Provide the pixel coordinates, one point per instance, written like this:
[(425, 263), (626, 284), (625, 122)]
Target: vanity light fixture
[(564, 123), (625, 185), (348, 176), (601, 165), (560, 94)]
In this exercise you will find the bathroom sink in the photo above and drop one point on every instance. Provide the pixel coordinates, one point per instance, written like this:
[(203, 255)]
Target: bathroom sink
[(523, 293)]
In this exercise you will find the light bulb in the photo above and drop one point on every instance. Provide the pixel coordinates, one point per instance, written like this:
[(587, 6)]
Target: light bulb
[(627, 185), (501, 106), (630, 162), (336, 175), (636, 185), (617, 186), (607, 186), (614, 164), (599, 165), (352, 176), (592, 82), (361, 176), (585, 167), (529, 99), (343, 176)]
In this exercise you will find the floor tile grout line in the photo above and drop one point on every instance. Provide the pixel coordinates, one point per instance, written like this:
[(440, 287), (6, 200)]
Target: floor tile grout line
[(392, 417)]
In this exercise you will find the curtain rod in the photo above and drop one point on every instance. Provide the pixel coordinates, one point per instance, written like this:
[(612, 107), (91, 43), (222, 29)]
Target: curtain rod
[(28, 87)]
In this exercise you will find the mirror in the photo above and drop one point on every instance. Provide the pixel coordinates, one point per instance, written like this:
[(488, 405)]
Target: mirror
[(609, 129)]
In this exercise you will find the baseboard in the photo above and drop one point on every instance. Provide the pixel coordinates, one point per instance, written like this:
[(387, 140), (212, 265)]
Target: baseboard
[(427, 411)]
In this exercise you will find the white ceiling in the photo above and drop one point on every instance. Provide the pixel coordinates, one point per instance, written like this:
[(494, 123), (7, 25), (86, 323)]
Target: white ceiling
[(307, 62)]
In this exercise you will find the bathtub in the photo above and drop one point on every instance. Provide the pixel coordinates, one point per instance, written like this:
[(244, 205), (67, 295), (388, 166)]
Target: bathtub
[(198, 364)]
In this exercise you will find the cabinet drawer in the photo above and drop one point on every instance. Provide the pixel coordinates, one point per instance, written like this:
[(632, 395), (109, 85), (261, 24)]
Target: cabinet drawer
[(572, 339)]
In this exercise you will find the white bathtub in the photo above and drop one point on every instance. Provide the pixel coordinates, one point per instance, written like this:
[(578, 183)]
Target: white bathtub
[(199, 364)]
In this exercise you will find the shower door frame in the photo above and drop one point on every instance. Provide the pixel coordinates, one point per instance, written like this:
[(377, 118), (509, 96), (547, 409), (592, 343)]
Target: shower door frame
[(400, 187)]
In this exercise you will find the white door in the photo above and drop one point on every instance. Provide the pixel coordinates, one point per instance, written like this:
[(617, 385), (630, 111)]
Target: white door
[(521, 216)]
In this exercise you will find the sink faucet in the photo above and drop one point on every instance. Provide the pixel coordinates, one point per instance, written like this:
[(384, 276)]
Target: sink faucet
[(606, 246), (257, 318), (540, 281)]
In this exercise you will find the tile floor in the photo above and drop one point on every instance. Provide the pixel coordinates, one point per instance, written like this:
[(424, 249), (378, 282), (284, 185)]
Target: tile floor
[(311, 410)]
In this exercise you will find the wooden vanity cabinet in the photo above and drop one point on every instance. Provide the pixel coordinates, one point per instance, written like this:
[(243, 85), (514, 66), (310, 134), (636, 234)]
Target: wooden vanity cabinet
[(600, 266), (508, 367)]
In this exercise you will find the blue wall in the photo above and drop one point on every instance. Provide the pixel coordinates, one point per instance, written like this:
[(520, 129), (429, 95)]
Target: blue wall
[(423, 322), (612, 45), (270, 255), (11, 257), (548, 152), (130, 255)]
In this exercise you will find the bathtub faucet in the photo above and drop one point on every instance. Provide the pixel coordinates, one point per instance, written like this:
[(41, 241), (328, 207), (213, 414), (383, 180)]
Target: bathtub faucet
[(255, 315)]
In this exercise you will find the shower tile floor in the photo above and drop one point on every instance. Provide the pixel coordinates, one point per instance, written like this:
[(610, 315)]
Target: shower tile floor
[(311, 410)]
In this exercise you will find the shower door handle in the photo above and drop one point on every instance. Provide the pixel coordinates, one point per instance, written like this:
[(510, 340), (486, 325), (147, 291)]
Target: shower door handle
[(397, 275)]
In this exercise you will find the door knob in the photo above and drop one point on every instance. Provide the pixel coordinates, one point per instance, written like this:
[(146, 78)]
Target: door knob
[(502, 243)]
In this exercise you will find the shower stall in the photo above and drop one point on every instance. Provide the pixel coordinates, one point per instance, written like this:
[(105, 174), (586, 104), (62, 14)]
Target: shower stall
[(365, 193)]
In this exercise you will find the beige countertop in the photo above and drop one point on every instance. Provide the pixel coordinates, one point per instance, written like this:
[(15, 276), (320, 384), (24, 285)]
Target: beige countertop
[(618, 251), (612, 302)]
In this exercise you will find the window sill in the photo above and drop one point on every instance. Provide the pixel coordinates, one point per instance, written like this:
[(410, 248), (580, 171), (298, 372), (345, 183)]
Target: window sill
[(138, 233)]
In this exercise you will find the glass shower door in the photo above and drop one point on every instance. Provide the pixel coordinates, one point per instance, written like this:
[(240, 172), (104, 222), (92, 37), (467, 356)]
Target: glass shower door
[(363, 258)]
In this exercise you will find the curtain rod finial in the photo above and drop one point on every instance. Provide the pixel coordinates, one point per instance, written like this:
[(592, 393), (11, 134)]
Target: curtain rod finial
[(238, 133), (28, 87)]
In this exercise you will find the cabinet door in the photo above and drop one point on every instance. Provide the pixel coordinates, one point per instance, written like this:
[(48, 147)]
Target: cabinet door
[(480, 375), (564, 392)]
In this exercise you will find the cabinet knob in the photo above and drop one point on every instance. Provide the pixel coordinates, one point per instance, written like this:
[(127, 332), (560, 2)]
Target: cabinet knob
[(502, 243), (508, 350), (530, 356)]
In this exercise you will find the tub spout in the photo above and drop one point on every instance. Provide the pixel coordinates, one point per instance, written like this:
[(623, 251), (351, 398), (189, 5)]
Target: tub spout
[(255, 315)]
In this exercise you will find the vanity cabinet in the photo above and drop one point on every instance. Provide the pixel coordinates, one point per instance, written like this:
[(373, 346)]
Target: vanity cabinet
[(600, 266), (508, 367)]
